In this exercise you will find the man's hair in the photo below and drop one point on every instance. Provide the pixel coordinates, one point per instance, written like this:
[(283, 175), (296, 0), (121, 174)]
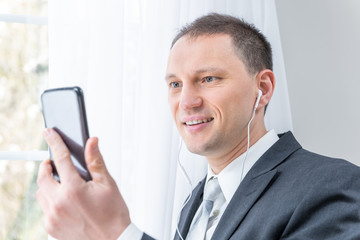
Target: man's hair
[(250, 44)]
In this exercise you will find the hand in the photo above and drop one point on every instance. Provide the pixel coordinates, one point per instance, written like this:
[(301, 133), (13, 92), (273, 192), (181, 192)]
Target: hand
[(74, 208)]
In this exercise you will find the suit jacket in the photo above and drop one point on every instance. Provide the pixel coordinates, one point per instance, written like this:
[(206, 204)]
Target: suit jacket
[(289, 193)]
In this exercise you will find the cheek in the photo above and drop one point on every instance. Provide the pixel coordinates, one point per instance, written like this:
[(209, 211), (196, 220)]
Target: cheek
[(173, 104), (232, 106), (226, 103)]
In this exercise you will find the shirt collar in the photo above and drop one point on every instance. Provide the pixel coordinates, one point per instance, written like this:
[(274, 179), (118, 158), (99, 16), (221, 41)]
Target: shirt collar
[(230, 177)]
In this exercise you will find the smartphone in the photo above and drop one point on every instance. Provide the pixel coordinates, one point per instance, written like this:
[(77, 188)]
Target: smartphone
[(64, 111)]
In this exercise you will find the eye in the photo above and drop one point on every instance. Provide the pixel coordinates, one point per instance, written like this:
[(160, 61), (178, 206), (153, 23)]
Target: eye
[(209, 79), (175, 84)]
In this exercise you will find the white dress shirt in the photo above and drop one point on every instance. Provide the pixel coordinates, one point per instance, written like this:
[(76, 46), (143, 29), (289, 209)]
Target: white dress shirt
[(229, 179), (231, 176)]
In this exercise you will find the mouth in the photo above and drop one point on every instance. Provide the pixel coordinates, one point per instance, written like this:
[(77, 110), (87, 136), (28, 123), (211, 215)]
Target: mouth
[(199, 121)]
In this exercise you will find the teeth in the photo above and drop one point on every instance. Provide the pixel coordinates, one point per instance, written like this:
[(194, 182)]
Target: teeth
[(194, 122)]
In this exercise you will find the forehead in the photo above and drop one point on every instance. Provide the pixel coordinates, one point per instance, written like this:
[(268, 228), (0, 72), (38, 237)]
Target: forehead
[(190, 53)]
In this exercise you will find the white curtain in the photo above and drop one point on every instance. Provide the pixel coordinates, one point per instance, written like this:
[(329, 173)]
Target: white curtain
[(116, 50)]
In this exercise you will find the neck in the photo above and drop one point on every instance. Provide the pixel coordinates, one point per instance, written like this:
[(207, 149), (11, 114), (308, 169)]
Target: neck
[(257, 131)]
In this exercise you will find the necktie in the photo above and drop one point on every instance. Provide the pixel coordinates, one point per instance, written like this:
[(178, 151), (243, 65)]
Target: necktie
[(211, 193)]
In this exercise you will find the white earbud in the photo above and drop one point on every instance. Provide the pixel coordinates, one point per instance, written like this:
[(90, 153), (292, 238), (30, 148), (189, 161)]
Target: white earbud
[(258, 99)]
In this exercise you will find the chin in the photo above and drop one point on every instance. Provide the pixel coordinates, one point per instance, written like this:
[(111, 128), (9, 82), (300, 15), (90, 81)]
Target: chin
[(193, 147), (201, 150)]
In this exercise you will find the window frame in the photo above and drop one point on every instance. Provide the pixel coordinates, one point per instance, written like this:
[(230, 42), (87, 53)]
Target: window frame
[(36, 155)]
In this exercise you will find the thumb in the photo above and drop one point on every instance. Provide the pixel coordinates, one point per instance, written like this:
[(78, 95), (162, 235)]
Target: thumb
[(95, 161)]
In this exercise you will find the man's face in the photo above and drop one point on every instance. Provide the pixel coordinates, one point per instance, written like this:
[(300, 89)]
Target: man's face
[(211, 94)]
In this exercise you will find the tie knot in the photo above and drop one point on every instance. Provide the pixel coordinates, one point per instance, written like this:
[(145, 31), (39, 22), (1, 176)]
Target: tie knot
[(212, 189)]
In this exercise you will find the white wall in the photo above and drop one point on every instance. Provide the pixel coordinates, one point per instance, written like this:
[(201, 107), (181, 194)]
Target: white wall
[(321, 45)]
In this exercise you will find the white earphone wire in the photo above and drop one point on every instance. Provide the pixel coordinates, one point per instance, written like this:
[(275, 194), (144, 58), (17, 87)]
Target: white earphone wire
[(187, 178), (248, 134)]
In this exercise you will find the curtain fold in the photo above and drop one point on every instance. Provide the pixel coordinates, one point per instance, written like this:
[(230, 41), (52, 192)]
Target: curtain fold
[(117, 52)]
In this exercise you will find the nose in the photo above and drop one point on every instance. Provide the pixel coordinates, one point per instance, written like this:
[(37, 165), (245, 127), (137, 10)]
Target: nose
[(190, 98)]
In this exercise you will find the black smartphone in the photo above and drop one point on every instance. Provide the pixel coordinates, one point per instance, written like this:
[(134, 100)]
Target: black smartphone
[(64, 111)]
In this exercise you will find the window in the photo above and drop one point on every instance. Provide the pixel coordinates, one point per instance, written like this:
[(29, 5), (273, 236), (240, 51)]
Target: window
[(23, 76)]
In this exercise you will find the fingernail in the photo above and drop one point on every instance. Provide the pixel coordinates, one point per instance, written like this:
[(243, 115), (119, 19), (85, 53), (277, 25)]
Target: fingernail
[(46, 133), (96, 145)]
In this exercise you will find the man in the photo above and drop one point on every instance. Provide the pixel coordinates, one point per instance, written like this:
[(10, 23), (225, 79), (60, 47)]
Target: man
[(220, 80)]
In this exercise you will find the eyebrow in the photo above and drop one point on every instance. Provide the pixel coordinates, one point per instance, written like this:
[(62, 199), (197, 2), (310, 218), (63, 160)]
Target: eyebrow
[(199, 71), (210, 69), (170, 75)]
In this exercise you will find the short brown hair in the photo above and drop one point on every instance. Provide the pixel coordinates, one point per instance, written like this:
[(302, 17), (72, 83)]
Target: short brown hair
[(250, 44)]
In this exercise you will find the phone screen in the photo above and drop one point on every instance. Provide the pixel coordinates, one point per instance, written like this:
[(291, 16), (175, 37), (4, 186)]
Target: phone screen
[(64, 111)]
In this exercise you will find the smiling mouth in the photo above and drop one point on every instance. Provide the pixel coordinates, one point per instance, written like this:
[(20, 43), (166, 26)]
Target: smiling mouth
[(197, 122)]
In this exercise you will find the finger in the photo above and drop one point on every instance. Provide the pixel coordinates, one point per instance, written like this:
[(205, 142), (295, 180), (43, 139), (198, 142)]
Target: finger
[(46, 183), (61, 155), (42, 200), (45, 179), (95, 161)]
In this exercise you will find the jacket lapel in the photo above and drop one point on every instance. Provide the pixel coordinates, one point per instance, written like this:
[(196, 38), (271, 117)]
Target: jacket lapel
[(242, 201), (188, 212), (254, 184)]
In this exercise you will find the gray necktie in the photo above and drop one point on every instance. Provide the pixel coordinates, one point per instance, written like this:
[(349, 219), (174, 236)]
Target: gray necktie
[(199, 227)]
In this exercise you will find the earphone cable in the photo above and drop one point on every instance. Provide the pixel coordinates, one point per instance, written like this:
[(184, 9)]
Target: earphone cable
[(248, 144), (187, 178)]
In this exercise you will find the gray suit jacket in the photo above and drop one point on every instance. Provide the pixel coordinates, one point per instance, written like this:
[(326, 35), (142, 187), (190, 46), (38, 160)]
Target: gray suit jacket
[(289, 193)]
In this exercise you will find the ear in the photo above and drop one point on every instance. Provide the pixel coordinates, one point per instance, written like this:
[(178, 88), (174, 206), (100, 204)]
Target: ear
[(266, 83)]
